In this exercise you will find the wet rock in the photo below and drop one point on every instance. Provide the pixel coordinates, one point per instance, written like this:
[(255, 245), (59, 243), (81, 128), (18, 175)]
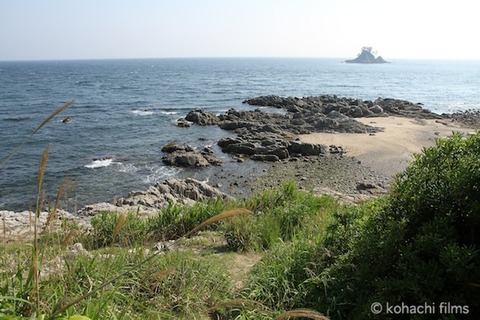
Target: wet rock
[(186, 156), (265, 157), (173, 146), (244, 148), (185, 159), (201, 117), (183, 123)]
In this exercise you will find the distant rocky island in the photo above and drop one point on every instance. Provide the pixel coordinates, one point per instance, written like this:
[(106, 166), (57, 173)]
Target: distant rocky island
[(367, 56)]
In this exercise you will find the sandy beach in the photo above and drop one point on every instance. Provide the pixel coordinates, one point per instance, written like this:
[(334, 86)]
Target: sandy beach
[(389, 151), (370, 159)]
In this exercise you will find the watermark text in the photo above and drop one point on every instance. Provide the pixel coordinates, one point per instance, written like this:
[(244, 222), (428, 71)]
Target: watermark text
[(425, 308)]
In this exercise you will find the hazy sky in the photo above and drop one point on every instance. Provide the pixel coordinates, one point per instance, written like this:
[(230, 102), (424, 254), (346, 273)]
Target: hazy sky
[(88, 29)]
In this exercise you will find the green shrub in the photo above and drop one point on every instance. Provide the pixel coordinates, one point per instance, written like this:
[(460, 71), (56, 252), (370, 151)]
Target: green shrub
[(421, 244), (289, 276)]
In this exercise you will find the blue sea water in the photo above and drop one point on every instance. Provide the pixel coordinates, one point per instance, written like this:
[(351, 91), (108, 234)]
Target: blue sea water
[(125, 110)]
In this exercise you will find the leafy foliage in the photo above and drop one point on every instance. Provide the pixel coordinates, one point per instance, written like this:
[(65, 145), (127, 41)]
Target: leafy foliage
[(418, 245)]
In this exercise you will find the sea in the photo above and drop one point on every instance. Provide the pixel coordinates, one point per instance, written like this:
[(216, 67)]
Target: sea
[(126, 110)]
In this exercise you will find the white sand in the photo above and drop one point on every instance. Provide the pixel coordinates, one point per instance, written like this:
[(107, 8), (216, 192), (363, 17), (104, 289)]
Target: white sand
[(389, 151)]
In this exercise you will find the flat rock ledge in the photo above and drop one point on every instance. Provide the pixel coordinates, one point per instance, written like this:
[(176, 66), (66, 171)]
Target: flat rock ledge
[(351, 107), (20, 225)]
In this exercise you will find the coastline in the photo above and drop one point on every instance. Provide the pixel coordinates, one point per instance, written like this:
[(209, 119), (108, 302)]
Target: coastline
[(390, 150), (370, 160), (362, 159)]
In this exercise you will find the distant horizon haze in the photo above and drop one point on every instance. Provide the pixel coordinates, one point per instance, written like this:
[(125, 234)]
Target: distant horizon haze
[(340, 59), (121, 29)]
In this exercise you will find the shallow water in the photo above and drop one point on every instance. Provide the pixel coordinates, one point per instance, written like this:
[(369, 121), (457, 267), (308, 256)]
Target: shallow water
[(125, 111)]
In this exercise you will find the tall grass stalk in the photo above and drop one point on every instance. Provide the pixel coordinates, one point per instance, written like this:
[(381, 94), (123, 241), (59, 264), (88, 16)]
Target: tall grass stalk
[(218, 217), (60, 308), (32, 282), (239, 303), (53, 214), (122, 220), (35, 250), (301, 313), (4, 223)]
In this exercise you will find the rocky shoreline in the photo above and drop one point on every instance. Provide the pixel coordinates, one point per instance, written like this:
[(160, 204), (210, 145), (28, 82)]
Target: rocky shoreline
[(264, 152)]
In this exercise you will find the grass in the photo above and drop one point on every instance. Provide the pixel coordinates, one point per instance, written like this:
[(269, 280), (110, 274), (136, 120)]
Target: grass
[(121, 276)]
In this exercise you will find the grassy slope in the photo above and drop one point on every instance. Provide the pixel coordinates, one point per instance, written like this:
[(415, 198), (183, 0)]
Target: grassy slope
[(186, 280), (313, 248)]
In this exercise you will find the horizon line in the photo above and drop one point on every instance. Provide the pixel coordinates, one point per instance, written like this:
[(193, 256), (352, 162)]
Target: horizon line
[(227, 57)]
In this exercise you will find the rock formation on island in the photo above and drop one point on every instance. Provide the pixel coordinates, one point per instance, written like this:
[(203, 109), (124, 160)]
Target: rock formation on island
[(367, 56)]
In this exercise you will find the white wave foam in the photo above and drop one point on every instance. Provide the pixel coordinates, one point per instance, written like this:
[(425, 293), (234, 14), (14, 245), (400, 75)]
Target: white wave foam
[(98, 163), (159, 173), (169, 113), (142, 112), (128, 168)]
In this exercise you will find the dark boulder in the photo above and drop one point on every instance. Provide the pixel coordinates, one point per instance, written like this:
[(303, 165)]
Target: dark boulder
[(376, 109), (245, 148), (173, 146), (201, 117), (185, 159), (183, 123), (186, 156), (307, 149)]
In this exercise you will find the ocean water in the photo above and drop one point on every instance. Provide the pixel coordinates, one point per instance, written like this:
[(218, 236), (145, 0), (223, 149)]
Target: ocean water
[(125, 111)]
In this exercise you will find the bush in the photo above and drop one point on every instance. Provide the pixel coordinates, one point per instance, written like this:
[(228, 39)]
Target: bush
[(420, 245), (291, 275)]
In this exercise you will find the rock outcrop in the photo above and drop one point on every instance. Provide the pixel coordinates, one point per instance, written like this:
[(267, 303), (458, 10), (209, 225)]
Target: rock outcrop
[(269, 136), (302, 108), (20, 225), (148, 202), (186, 156), (201, 117)]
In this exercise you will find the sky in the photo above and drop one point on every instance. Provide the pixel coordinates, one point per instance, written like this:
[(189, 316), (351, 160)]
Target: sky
[(110, 29)]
